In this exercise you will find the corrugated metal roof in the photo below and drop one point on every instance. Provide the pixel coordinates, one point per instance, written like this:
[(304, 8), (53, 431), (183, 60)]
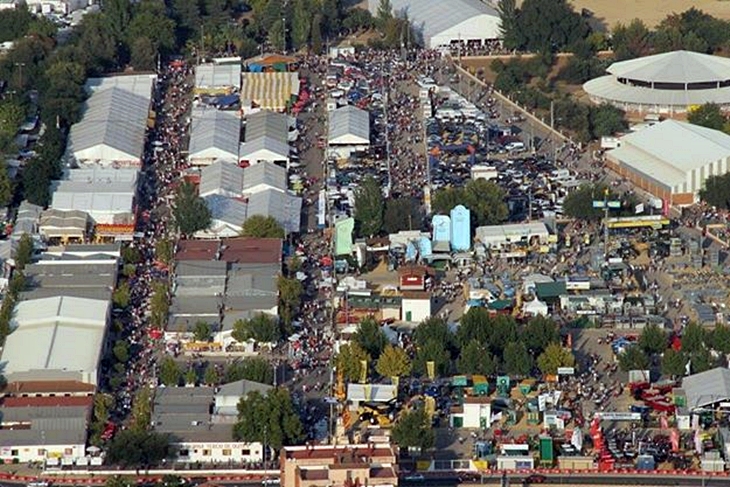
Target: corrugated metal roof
[(284, 208), (265, 149), (114, 119), (348, 125), (48, 333), (139, 84), (674, 67), (227, 210), (218, 76), (668, 150), (707, 388), (266, 173), (609, 89), (221, 178), (214, 134), (266, 124)]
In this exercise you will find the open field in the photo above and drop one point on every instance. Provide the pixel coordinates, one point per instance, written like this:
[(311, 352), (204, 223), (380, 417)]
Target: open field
[(610, 12)]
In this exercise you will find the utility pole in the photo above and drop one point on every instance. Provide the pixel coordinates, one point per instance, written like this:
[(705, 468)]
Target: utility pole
[(552, 115)]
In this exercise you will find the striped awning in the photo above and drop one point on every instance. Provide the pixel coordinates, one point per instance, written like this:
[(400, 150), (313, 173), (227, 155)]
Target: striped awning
[(269, 91)]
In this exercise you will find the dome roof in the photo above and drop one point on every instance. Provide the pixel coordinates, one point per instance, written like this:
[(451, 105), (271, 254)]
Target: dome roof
[(674, 67)]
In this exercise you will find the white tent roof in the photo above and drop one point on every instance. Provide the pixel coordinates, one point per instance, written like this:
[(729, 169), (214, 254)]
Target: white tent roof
[(349, 125), (217, 76), (228, 210), (267, 124), (96, 190), (112, 128), (667, 151), (371, 392), (265, 173), (283, 207), (607, 88), (674, 67), (221, 178), (49, 333), (139, 84), (214, 134), (264, 149), (269, 91), (441, 21)]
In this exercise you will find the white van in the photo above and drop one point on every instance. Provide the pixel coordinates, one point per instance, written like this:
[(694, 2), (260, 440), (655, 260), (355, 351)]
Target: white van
[(515, 146)]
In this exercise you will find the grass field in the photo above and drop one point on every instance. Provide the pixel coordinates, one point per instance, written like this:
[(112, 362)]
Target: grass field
[(611, 12)]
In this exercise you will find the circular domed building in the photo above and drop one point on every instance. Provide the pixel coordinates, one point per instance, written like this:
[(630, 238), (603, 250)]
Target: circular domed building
[(670, 82)]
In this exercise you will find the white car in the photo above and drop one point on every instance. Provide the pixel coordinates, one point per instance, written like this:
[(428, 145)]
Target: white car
[(415, 477)]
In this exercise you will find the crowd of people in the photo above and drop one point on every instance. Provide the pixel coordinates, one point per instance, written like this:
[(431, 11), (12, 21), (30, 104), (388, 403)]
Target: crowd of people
[(162, 166)]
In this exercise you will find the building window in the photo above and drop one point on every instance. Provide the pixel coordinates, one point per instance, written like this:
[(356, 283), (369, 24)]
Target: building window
[(226, 452), (245, 453), (13, 453), (184, 453), (41, 452), (206, 453)]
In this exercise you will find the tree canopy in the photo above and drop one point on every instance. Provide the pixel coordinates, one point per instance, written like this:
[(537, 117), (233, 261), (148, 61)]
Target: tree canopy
[(260, 328), (190, 213), (709, 115), (135, 448), (541, 25), (369, 208), (413, 430), (370, 337), (716, 191), (256, 369), (271, 419), (260, 226), (484, 199), (554, 357), (349, 361), (393, 362)]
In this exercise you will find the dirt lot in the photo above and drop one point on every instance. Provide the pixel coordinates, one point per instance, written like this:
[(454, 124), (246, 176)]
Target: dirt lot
[(650, 11)]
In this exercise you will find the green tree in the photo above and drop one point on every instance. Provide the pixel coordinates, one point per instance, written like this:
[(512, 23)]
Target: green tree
[(579, 202), (708, 115), (716, 191), (23, 252), (277, 35), (413, 430), (290, 298), (483, 198), (701, 360), (631, 41), (432, 351), (317, 34), (260, 328), (475, 358), (190, 213), (301, 24), (652, 340), (475, 325), (260, 226), (256, 369), (121, 351), (673, 363), (150, 20), (369, 208), (401, 214), (554, 357), (211, 376), (121, 295), (349, 361), (393, 362), (384, 13), (693, 338), (170, 373), (272, 419), (202, 331), (517, 361), (370, 337), (606, 119), (165, 250), (143, 55), (434, 329), (142, 410), (549, 25), (721, 338), (512, 37), (159, 304), (540, 332), (191, 377), (6, 187), (133, 448), (633, 358)]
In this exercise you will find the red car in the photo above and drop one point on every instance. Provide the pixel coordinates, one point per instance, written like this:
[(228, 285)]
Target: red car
[(535, 479)]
